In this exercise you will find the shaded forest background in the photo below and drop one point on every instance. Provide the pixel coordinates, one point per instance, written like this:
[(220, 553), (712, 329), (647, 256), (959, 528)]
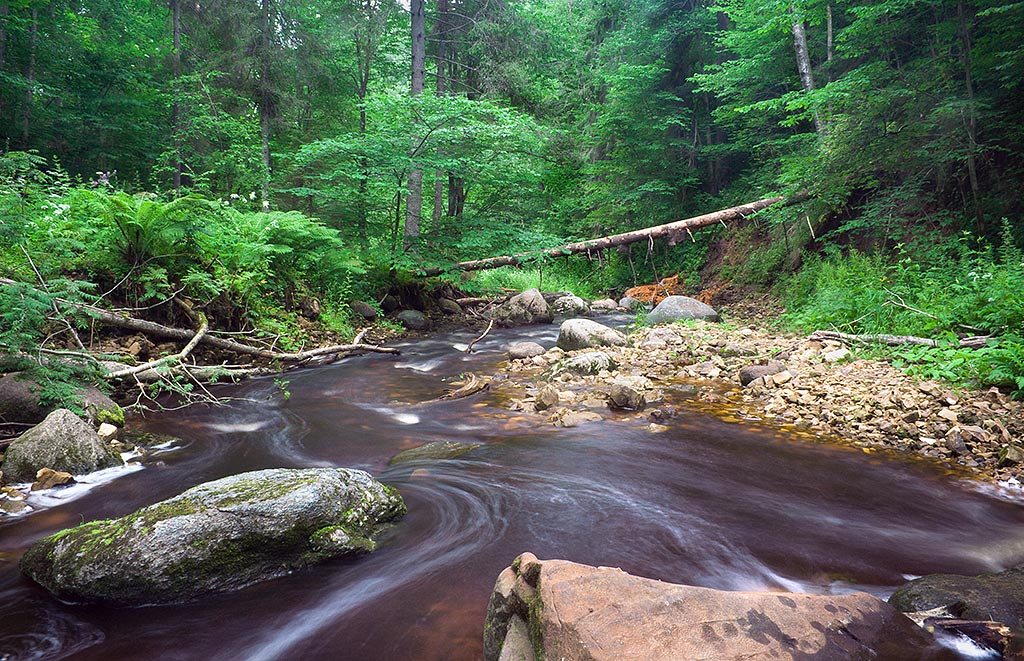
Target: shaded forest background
[(253, 154)]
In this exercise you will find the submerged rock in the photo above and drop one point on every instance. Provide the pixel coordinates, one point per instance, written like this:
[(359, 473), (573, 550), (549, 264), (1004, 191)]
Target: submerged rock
[(218, 536), (679, 308), (584, 334), (63, 442), (434, 450), (998, 597), (554, 609), (528, 307)]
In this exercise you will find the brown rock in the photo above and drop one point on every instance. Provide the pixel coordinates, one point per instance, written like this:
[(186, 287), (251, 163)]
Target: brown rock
[(47, 478), (546, 397), (577, 612), (622, 396)]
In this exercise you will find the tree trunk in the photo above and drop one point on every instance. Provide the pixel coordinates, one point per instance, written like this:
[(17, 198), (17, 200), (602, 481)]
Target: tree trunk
[(414, 200), (442, 64), (803, 61), (972, 117), (30, 76), (176, 108), (671, 230), (266, 101), (5, 10)]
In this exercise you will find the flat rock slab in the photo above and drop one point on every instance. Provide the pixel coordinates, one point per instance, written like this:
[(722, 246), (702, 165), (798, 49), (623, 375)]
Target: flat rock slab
[(216, 537), (574, 611), (680, 308), (434, 450)]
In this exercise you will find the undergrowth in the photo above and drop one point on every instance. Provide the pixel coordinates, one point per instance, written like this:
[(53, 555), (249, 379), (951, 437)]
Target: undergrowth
[(942, 289)]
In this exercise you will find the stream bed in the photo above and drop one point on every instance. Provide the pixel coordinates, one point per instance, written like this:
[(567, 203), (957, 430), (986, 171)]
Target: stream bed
[(707, 502)]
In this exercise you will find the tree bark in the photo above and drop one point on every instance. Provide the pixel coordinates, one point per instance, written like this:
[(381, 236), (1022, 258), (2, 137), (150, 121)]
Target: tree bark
[(265, 101), (30, 76), (414, 200), (803, 61), (972, 117), (670, 230), (176, 108), (442, 44)]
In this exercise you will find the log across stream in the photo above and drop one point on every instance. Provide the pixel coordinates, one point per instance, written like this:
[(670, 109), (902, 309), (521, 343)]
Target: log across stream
[(705, 503)]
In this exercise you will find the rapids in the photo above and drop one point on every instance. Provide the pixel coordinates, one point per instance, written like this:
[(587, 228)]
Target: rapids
[(708, 503)]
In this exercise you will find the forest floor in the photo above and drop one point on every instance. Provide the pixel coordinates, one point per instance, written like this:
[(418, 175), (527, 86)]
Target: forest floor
[(822, 390)]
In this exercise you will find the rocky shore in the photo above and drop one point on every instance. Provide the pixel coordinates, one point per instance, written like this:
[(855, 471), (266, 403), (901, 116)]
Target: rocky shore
[(741, 369)]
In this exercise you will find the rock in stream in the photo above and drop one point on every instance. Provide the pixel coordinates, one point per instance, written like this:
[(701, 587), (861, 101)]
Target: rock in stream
[(216, 537)]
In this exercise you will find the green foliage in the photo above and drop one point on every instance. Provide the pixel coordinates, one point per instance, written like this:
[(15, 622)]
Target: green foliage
[(944, 291)]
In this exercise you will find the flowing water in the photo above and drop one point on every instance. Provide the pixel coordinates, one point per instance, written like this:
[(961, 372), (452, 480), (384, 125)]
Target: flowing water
[(706, 503)]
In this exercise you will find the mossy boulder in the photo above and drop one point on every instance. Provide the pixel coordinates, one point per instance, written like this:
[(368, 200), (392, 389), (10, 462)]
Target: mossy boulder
[(63, 442), (216, 537), (529, 307), (998, 596), (20, 402)]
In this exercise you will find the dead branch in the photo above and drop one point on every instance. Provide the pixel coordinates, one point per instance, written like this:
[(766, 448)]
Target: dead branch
[(472, 386), (975, 342), (166, 360), (469, 347), (646, 234)]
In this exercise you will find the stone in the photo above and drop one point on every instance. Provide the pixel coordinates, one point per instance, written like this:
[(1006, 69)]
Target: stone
[(998, 596), (574, 611), (63, 442), (47, 478), (19, 402), (520, 350), (1010, 455), (749, 373), (216, 537), (528, 307), (955, 442), (547, 397), (840, 354), (13, 506), (434, 450), (571, 306), (679, 308), (575, 418), (604, 305), (414, 320), (107, 432), (448, 306), (631, 304), (364, 310), (590, 362), (785, 376), (622, 396), (585, 334)]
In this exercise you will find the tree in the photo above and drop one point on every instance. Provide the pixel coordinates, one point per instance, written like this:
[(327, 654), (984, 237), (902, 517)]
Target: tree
[(414, 201)]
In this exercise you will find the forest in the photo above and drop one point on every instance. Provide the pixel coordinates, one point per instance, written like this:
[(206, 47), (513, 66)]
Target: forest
[(252, 157)]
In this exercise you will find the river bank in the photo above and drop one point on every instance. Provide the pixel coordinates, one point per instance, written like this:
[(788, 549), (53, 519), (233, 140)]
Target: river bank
[(823, 389)]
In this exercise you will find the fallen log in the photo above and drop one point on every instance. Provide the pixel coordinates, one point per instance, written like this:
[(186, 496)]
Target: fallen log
[(672, 230), (153, 328), (975, 342)]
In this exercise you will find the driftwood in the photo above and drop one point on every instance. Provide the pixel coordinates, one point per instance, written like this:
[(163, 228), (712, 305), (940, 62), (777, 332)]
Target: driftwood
[(469, 347), (671, 230), (975, 342), (473, 385), (993, 635)]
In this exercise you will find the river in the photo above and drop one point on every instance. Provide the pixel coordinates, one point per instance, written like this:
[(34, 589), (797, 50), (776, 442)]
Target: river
[(708, 503)]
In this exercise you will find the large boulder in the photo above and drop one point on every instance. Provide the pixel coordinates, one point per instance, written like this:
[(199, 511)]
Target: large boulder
[(528, 307), (570, 305), (585, 334), (63, 442), (414, 320), (998, 597), (555, 609), (215, 537), (750, 373), (19, 402), (524, 349), (590, 362), (679, 308)]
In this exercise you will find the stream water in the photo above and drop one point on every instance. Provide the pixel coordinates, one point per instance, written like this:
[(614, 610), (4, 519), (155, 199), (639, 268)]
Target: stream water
[(705, 503)]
